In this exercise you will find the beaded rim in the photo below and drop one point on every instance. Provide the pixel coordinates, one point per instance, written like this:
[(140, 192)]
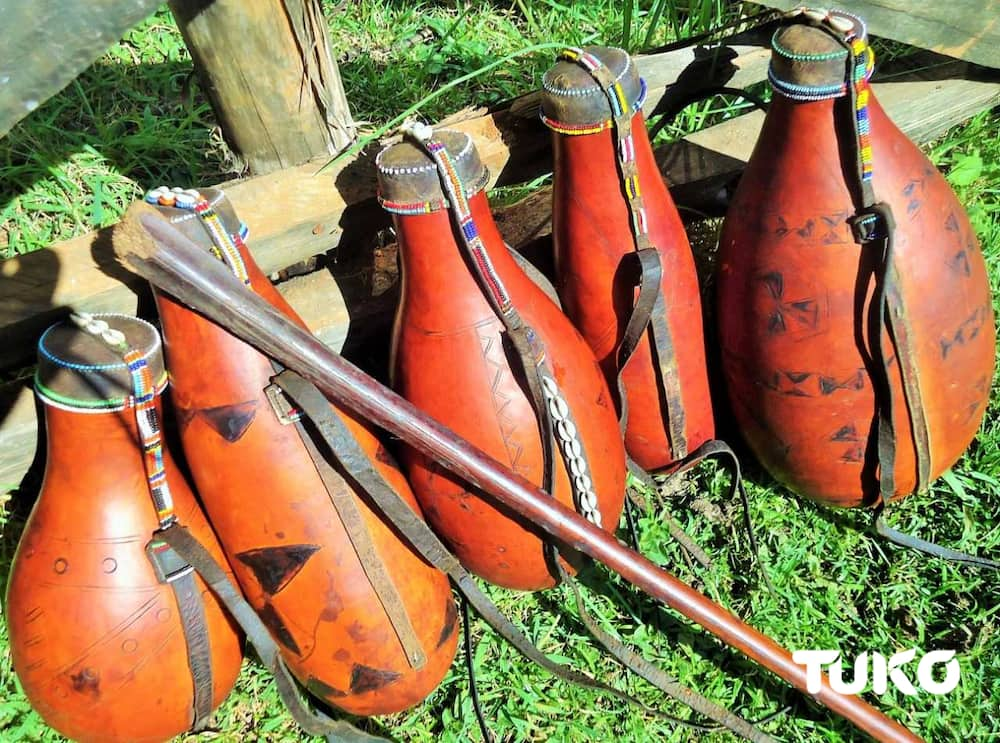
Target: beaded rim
[(597, 126), (64, 402), (797, 92), (428, 207), (588, 90), (427, 167)]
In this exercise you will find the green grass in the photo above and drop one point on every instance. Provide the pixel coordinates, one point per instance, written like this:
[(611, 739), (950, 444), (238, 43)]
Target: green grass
[(137, 118)]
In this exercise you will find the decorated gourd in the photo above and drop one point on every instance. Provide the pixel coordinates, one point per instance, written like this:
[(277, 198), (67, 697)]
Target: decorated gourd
[(483, 350), (362, 621), (113, 637), (854, 310), (616, 229)]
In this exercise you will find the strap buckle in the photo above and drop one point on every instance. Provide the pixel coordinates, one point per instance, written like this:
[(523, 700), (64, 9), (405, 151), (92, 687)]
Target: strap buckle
[(167, 563), (283, 407), (873, 223)]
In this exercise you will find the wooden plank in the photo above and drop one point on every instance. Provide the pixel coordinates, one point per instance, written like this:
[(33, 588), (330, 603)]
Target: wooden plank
[(704, 166), (966, 29), (299, 212), (267, 69)]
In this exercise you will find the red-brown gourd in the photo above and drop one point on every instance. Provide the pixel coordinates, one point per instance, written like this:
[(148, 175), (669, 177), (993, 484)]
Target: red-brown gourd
[(452, 358), (291, 553), (96, 639), (593, 234), (795, 289)]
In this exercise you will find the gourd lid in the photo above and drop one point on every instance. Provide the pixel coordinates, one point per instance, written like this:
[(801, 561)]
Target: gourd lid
[(82, 370), (177, 205), (810, 56), (571, 95), (408, 178)]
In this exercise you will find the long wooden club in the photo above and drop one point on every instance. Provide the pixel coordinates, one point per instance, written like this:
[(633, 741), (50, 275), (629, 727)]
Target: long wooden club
[(149, 246)]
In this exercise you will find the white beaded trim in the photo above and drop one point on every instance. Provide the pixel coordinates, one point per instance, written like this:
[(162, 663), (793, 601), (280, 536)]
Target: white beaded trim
[(589, 90), (415, 169)]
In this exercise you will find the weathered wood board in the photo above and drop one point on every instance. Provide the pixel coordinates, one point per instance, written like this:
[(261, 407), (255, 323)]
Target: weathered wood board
[(299, 212), (966, 29), (701, 169)]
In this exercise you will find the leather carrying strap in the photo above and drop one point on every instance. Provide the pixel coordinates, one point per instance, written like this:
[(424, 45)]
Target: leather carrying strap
[(416, 531), (354, 524), (311, 721), (175, 571), (629, 659), (874, 228)]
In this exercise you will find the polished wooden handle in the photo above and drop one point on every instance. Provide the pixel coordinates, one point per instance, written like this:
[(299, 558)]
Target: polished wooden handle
[(156, 251)]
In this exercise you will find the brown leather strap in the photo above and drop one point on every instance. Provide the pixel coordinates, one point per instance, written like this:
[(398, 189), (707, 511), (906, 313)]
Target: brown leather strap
[(354, 524), (350, 516), (634, 662), (313, 722), (174, 571)]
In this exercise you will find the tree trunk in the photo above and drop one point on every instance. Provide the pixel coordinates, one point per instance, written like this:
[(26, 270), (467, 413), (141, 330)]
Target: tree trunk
[(267, 67)]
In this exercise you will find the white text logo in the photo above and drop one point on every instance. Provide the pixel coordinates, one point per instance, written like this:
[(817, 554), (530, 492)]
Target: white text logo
[(880, 671)]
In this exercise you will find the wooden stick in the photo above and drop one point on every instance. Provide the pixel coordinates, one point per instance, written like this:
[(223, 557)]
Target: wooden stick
[(156, 251)]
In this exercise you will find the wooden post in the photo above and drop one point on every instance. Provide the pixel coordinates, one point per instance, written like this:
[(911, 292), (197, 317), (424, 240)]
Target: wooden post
[(267, 67)]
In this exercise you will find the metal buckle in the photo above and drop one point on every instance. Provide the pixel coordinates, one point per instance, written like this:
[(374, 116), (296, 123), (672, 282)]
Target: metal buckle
[(873, 223), (286, 413), (168, 565)]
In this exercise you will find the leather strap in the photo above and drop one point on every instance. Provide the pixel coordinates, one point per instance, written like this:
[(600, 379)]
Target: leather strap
[(354, 524), (174, 571), (874, 228), (311, 721), (629, 659), (419, 535), (655, 319)]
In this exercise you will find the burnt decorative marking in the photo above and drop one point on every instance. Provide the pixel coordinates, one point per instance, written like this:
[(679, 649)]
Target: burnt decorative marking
[(797, 314), (33, 615), (323, 690), (911, 191), (230, 421), (788, 383), (806, 230), (382, 455), (273, 621), (829, 385), (357, 631), (365, 678), (781, 228), (967, 332), (493, 355), (833, 237), (333, 607), (450, 623), (854, 454), (36, 640), (951, 222), (86, 681), (846, 433), (274, 567), (61, 565), (109, 565), (960, 263)]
